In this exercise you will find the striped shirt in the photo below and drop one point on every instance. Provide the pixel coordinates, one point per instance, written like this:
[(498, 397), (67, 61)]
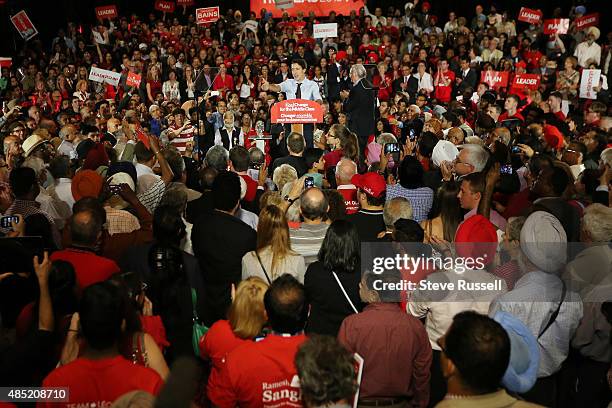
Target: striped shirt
[(186, 136), (307, 240)]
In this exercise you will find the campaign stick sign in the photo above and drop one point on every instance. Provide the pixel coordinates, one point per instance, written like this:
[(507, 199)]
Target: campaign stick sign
[(526, 81), (495, 79), (529, 16), (104, 76), (556, 26), (6, 62), (133, 79), (207, 15), (590, 79), (165, 6), (587, 21), (24, 25), (109, 12), (325, 30)]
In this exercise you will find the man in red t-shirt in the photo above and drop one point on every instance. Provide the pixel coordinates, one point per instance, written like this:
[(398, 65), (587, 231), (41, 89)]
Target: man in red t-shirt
[(86, 229), (443, 82), (511, 112), (263, 373), (101, 375), (345, 170)]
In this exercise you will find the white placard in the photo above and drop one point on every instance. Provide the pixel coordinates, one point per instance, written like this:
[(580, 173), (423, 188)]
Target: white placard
[(251, 25), (103, 75), (325, 30), (98, 37), (284, 4), (589, 80)]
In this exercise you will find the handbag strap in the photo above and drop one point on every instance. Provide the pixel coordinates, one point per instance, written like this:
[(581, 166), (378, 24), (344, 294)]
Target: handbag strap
[(553, 316), (262, 268), (345, 294)]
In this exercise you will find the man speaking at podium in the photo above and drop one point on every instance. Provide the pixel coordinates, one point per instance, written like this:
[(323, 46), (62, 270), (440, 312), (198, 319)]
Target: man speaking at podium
[(298, 87)]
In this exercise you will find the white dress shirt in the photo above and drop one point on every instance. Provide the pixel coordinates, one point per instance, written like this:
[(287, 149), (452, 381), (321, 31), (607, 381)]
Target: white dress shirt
[(533, 300), (309, 89), (63, 191), (585, 52)]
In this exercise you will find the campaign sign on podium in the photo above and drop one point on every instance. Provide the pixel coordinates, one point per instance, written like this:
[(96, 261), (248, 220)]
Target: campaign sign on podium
[(297, 112)]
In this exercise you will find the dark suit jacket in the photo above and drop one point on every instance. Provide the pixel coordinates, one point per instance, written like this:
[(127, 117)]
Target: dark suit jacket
[(333, 84), (219, 242), (298, 163), (360, 106), (412, 88), (470, 80)]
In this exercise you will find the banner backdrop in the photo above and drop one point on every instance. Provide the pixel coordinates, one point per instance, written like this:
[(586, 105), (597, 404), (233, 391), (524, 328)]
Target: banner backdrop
[(321, 8)]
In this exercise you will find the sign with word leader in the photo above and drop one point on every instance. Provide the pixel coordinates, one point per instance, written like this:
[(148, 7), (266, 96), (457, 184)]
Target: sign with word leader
[(556, 26), (526, 81), (104, 76), (325, 30), (587, 21), (529, 16), (24, 25), (109, 12), (165, 6), (207, 15), (590, 79), (319, 7), (297, 111), (495, 79)]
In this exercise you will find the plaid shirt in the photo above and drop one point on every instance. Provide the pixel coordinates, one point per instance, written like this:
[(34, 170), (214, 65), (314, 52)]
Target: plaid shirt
[(421, 199), (151, 198), (120, 221)]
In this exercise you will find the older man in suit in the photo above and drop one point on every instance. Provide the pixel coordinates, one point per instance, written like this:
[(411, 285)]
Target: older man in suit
[(360, 105)]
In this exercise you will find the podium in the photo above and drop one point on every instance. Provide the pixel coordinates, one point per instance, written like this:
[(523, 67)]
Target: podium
[(297, 112)]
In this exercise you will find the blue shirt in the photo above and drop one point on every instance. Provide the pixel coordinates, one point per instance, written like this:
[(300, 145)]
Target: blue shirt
[(421, 199), (310, 89)]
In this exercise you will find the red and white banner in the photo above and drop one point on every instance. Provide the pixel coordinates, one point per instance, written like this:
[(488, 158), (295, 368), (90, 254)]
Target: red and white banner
[(207, 15), (24, 25), (185, 2), (529, 15), (109, 12), (495, 79), (133, 79), (556, 26), (319, 7), (590, 79), (587, 21), (6, 62), (297, 111), (165, 6), (526, 81), (104, 76)]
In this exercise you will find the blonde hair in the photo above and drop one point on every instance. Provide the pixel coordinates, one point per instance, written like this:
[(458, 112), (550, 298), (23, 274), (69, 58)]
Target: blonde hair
[(273, 233), (246, 314)]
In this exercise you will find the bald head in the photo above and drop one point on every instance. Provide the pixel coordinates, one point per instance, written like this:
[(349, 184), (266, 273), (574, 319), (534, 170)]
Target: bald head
[(313, 204), (68, 132), (86, 227), (345, 170), (112, 125)]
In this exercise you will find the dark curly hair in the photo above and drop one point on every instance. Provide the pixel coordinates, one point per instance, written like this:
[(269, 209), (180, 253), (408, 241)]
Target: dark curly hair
[(326, 371)]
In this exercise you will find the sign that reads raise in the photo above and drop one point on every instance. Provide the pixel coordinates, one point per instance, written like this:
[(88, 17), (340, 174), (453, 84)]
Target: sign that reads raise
[(587, 21), (495, 79), (207, 15), (109, 12), (526, 81), (529, 16), (165, 6), (297, 111)]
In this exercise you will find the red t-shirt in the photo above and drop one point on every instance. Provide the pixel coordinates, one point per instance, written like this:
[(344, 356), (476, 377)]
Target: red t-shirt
[(332, 158), (88, 267), (218, 342), (350, 198), (251, 187), (100, 382), (443, 93), (260, 374), (504, 116)]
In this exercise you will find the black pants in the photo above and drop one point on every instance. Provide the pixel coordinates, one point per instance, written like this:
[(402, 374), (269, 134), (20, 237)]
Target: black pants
[(308, 133), (544, 392)]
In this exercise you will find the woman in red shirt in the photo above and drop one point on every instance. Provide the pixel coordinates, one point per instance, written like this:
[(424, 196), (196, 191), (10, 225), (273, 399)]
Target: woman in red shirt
[(383, 81), (223, 82), (154, 84), (246, 318)]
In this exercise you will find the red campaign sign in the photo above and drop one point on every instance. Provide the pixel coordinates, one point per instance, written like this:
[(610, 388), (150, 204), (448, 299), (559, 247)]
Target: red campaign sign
[(298, 26), (495, 79), (529, 16), (185, 2), (526, 81), (6, 62), (109, 12), (297, 111), (165, 6), (24, 25), (321, 8), (587, 21), (207, 15), (133, 79), (556, 26)]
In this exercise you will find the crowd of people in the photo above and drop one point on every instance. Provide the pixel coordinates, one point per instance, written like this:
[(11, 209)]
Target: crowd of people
[(165, 243)]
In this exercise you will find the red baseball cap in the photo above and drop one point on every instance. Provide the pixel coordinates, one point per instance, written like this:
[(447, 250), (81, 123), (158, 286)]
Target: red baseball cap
[(553, 137), (371, 183), (476, 237)]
